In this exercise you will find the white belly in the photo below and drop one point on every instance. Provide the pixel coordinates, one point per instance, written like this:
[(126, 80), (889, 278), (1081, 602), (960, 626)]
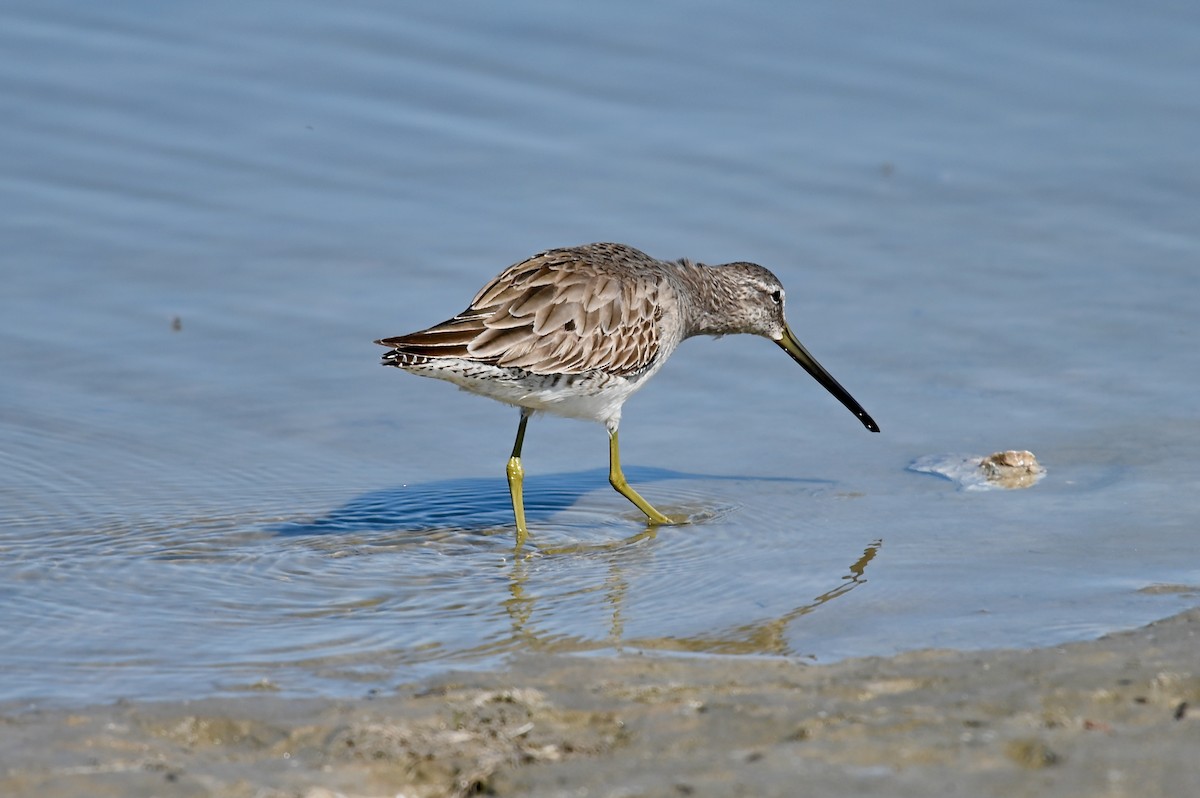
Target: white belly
[(593, 396)]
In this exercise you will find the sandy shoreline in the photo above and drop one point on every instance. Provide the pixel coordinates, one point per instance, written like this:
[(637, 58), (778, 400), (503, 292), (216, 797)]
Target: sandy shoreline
[(1112, 717)]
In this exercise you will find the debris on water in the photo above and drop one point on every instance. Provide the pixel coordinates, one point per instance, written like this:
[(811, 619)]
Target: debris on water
[(1012, 469), (1008, 470)]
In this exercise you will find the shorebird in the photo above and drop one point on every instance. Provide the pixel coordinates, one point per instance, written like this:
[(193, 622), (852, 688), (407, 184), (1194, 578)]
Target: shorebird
[(575, 331)]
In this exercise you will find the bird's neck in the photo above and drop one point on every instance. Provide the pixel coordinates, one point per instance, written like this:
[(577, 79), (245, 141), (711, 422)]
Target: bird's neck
[(709, 293)]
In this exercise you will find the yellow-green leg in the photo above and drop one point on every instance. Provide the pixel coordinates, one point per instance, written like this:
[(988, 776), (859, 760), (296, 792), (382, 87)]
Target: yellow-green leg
[(516, 476), (617, 479)]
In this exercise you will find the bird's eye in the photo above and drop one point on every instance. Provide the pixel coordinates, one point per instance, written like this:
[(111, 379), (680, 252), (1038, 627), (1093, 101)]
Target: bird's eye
[(777, 296)]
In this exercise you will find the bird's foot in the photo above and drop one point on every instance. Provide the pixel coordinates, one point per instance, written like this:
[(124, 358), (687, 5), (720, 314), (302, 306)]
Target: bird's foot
[(670, 519)]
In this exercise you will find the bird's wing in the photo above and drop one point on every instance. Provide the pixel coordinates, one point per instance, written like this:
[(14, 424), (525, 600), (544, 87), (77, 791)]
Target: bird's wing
[(560, 312)]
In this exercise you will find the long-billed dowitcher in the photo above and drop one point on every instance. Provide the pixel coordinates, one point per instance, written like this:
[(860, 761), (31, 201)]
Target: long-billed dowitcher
[(575, 331)]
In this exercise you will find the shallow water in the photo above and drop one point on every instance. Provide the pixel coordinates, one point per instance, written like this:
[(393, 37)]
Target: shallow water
[(985, 219)]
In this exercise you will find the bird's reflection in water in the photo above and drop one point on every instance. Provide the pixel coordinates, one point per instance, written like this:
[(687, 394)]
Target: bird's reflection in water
[(469, 518), (767, 636)]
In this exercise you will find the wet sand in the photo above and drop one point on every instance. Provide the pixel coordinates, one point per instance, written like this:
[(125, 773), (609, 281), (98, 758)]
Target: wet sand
[(1112, 717)]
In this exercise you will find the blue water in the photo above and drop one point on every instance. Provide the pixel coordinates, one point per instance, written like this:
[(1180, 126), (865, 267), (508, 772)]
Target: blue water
[(985, 218)]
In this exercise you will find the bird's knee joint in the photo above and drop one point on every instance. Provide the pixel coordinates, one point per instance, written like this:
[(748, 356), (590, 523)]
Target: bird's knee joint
[(514, 470)]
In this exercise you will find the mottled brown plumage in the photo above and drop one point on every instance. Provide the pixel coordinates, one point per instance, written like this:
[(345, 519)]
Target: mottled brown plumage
[(565, 311)]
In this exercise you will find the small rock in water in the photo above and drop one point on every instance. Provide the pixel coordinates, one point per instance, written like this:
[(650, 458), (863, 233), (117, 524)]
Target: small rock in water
[(1009, 470), (1012, 469)]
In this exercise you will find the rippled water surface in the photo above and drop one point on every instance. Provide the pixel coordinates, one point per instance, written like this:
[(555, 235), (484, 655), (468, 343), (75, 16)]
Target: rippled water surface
[(985, 218)]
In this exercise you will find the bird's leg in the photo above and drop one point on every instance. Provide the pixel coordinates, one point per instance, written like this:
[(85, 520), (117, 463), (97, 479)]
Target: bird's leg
[(617, 479), (516, 476)]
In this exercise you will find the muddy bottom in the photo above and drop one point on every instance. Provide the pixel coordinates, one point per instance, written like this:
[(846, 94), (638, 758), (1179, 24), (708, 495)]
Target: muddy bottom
[(1117, 716)]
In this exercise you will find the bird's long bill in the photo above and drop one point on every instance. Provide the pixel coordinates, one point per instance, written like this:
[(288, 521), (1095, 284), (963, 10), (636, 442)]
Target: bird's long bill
[(793, 347)]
